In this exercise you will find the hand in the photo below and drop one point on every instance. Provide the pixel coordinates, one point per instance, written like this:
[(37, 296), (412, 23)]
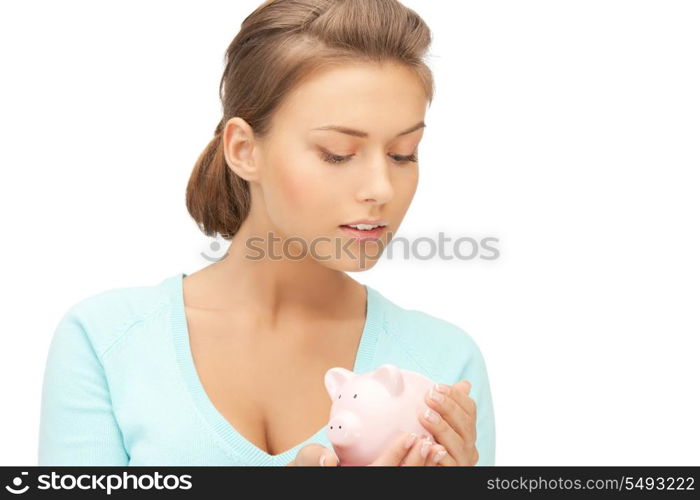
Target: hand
[(314, 454), (397, 454), (456, 426), (420, 451)]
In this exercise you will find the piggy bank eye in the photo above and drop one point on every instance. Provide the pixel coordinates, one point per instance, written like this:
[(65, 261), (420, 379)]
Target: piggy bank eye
[(339, 396), (355, 396)]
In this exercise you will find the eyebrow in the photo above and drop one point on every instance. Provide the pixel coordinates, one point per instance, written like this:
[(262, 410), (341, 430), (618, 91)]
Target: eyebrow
[(360, 133)]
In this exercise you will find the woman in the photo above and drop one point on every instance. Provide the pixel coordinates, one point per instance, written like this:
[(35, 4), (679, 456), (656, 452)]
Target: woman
[(323, 110)]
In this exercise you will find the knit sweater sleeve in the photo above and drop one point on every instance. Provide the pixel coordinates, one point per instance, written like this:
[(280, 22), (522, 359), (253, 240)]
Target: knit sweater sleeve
[(77, 422), (476, 373), (448, 353)]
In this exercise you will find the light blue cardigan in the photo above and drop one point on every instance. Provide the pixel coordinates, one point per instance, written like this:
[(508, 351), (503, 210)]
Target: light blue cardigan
[(120, 385)]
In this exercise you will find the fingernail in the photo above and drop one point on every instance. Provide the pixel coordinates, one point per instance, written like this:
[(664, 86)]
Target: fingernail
[(439, 456), (436, 396), (425, 448), (432, 416), (442, 388), (411, 439), (323, 460)]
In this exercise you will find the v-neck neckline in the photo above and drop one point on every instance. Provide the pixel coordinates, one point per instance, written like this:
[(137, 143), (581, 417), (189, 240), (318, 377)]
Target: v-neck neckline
[(237, 443)]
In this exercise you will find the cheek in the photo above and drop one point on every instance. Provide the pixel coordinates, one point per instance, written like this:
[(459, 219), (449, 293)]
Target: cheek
[(406, 184), (302, 187), (297, 194)]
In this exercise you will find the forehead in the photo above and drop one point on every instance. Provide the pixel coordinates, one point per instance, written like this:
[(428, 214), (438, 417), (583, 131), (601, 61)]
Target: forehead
[(380, 99)]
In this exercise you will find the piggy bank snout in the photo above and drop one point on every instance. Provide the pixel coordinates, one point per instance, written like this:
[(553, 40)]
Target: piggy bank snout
[(344, 429)]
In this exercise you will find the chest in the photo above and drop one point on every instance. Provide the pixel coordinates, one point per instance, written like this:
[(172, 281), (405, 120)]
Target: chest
[(269, 385)]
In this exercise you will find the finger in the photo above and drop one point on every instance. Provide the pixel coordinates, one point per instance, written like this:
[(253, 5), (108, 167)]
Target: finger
[(448, 411), (398, 449), (459, 393), (328, 459), (445, 459), (475, 457), (433, 449), (436, 456), (464, 385), (418, 454), (310, 455), (463, 398), (443, 432)]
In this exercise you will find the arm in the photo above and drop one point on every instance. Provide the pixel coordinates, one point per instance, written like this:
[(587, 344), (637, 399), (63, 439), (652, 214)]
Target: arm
[(77, 425), (476, 373)]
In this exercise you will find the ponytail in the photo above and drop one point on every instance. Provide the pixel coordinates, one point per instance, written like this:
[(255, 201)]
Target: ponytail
[(216, 198)]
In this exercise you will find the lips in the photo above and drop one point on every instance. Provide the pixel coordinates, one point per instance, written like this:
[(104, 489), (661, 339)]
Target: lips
[(369, 222), (363, 235)]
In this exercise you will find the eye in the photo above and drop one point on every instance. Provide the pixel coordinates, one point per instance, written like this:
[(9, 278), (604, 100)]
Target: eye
[(354, 396), (405, 159), (338, 159), (334, 159)]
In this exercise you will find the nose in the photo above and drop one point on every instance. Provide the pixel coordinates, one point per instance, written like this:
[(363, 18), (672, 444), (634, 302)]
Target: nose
[(375, 185), (343, 429)]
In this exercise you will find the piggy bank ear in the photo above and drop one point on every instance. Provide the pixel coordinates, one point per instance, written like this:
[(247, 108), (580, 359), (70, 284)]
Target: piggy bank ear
[(389, 376), (335, 378)]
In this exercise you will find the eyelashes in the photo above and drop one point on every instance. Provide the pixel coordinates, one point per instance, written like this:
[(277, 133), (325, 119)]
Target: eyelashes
[(337, 159)]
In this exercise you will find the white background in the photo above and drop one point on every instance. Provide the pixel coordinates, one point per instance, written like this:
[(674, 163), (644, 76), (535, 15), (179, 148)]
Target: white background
[(570, 130)]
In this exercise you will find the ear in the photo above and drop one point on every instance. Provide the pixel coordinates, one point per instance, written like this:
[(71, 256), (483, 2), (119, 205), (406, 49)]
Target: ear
[(335, 378), (238, 143), (390, 376)]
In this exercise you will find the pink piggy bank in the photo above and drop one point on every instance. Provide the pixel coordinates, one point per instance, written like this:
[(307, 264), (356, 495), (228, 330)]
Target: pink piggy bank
[(371, 409)]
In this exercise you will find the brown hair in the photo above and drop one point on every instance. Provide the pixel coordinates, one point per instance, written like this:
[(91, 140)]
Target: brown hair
[(280, 43)]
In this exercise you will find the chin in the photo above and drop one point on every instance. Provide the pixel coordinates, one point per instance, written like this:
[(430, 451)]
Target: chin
[(357, 265)]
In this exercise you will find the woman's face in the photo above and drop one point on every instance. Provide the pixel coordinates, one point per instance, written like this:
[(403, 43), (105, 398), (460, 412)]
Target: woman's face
[(312, 179)]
